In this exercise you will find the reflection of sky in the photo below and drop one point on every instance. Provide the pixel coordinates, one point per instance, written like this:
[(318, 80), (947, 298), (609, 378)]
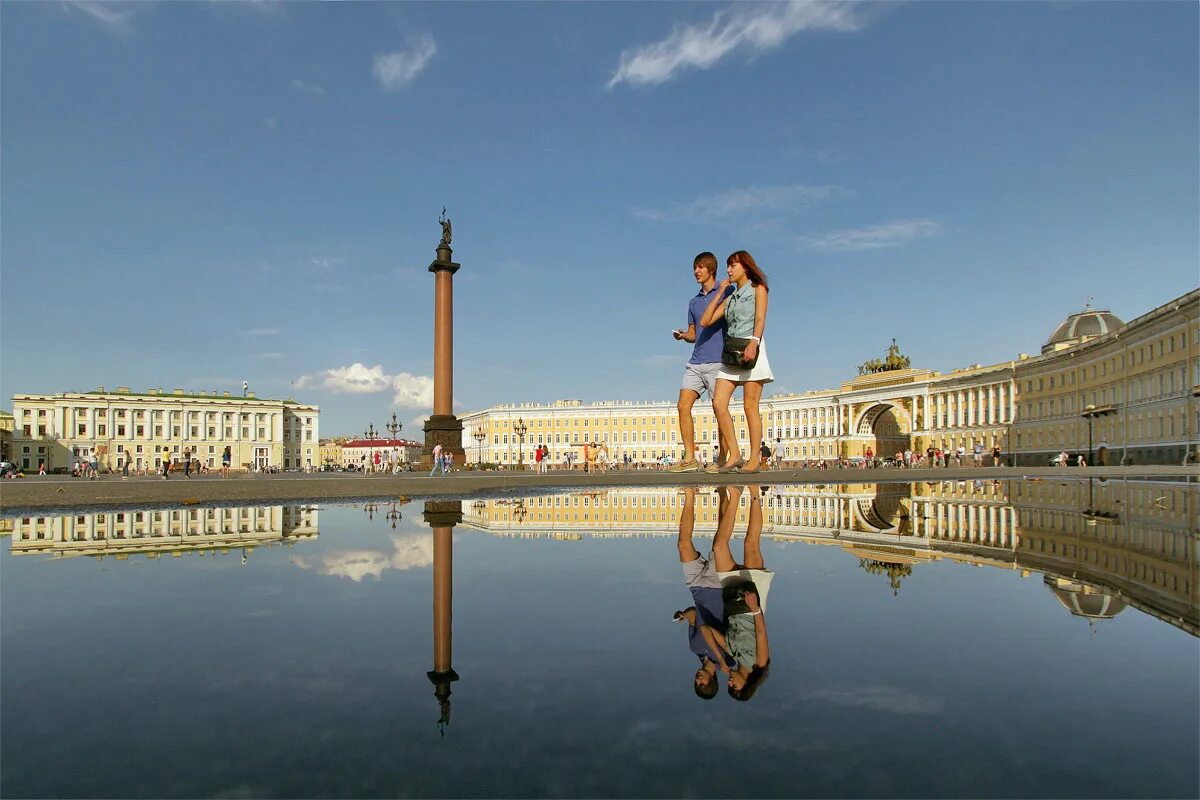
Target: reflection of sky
[(203, 676)]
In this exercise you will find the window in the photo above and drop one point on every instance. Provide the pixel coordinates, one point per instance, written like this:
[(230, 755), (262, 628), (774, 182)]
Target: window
[(101, 430), (141, 430), (82, 429)]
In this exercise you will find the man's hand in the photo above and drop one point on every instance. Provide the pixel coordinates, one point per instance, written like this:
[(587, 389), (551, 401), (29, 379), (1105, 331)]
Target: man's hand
[(677, 334)]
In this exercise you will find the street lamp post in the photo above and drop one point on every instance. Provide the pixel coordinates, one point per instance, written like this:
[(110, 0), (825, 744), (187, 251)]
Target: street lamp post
[(394, 427), (520, 429), (479, 435), (1088, 413)]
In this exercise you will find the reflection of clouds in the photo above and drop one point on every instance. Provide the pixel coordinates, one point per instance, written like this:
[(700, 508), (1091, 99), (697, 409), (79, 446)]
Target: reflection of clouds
[(409, 550), (882, 698)]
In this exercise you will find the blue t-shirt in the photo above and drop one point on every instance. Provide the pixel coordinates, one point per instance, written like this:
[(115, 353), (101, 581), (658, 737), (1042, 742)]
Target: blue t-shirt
[(710, 341), (710, 610)]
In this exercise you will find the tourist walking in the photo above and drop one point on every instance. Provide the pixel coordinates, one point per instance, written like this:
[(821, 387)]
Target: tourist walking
[(187, 463), (166, 463), (744, 357), (706, 616), (125, 465), (996, 455), (438, 461), (226, 458), (537, 458), (977, 452), (700, 372)]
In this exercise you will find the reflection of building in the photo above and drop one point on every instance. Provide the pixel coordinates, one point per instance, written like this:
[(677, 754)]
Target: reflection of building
[(1041, 398), (152, 533), (1136, 386), (1146, 559), (1132, 539), (112, 426)]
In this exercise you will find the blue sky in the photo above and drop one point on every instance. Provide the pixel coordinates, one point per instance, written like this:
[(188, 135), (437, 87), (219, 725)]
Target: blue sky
[(199, 194)]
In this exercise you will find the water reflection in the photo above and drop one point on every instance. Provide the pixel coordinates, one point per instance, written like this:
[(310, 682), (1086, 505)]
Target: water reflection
[(175, 532), (1102, 545)]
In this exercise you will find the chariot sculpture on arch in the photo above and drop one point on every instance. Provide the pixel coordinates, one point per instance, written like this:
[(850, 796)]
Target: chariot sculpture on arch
[(447, 230)]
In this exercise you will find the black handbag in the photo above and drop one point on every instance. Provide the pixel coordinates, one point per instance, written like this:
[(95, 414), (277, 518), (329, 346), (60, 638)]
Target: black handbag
[(731, 356), (734, 597)]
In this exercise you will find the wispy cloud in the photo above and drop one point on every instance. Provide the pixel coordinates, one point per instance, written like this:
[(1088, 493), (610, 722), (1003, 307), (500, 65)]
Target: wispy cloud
[(394, 71), (408, 391), (115, 17), (327, 262), (263, 332), (304, 87), (875, 237), (742, 202), (750, 28), (882, 698)]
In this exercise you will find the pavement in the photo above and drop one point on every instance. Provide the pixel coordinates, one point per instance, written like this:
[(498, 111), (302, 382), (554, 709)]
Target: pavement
[(62, 494)]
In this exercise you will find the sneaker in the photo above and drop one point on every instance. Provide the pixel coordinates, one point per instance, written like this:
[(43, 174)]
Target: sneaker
[(685, 466)]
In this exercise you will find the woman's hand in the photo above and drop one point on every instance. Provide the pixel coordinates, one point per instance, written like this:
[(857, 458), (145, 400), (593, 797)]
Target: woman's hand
[(751, 351), (723, 285)]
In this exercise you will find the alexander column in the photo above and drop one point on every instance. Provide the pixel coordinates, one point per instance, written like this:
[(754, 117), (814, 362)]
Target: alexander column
[(443, 427), (442, 516)]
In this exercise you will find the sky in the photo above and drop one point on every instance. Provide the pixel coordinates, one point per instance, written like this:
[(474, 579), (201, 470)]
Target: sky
[(197, 194)]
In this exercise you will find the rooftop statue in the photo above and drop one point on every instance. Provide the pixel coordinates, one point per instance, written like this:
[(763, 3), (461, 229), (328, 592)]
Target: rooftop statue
[(447, 231), (893, 361)]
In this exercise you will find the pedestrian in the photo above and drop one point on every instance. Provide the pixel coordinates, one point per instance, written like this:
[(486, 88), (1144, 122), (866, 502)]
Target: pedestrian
[(125, 464), (960, 456), (744, 357), (42, 468), (764, 452), (437, 460), (930, 453), (946, 457), (166, 463), (226, 458), (187, 463), (995, 455), (700, 372), (977, 452)]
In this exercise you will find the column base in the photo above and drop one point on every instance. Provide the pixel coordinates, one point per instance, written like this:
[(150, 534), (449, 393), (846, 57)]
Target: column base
[(446, 430)]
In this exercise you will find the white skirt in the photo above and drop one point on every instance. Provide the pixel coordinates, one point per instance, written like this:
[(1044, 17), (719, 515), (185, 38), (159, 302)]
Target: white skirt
[(761, 371)]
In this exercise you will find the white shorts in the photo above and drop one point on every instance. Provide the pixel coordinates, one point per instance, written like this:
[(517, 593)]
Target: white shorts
[(761, 577), (760, 372)]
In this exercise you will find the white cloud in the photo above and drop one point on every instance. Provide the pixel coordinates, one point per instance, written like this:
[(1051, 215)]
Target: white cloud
[(741, 202), (304, 87), (749, 28), (106, 13), (394, 71), (882, 698), (875, 237), (408, 391), (263, 331), (409, 551)]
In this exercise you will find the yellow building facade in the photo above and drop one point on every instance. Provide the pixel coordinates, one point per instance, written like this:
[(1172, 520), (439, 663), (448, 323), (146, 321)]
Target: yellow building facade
[(1140, 379), (1129, 396), (144, 428)]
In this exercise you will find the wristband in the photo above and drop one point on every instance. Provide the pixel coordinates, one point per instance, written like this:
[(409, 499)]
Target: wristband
[(755, 338)]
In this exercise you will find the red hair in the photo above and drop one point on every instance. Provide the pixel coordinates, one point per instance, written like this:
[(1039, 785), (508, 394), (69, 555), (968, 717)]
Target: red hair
[(756, 275)]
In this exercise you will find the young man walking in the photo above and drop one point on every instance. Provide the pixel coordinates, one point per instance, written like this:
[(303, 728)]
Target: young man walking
[(700, 374)]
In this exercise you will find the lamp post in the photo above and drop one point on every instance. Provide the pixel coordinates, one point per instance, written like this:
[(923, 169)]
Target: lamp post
[(479, 435), (520, 429), (370, 432), (1089, 413), (394, 427)]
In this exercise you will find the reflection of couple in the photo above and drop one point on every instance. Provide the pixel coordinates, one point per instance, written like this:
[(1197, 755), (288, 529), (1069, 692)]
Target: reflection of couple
[(727, 627)]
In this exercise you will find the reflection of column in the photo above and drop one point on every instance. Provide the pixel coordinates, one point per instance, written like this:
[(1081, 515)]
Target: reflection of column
[(442, 517)]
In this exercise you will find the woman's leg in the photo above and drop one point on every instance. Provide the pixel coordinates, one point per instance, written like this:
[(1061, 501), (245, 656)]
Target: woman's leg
[(722, 556), (724, 419), (751, 394), (753, 553)]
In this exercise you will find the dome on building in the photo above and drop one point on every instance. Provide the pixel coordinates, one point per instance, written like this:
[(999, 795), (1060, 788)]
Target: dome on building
[(1081, 326), (1084, 601)]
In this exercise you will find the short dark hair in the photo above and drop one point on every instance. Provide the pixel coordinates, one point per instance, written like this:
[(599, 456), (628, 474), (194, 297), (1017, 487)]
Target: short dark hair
[(709, 690), (706, 260)]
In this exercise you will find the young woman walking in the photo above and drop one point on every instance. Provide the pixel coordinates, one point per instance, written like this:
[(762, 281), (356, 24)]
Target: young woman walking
[(745, 315)]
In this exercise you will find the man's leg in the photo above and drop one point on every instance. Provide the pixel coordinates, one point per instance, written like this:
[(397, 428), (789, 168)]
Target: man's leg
[(687, 428), (687, 524)]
